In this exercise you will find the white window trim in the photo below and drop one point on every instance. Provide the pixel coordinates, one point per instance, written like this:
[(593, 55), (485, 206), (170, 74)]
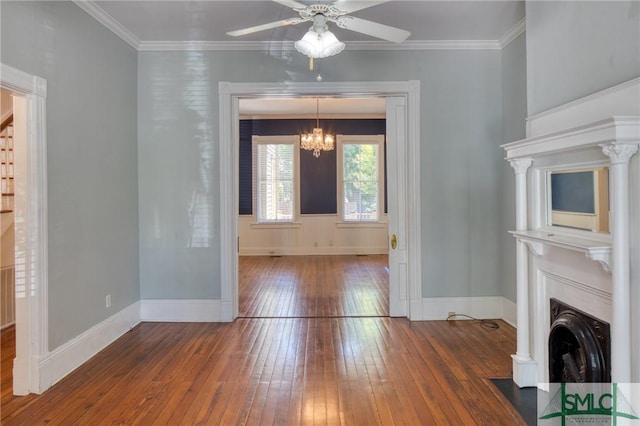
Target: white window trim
[(272, 140), (360, 139)]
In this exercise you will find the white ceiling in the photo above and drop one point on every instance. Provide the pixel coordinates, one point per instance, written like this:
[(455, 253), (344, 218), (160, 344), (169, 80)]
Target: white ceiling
[(161, 24), (209, 21)]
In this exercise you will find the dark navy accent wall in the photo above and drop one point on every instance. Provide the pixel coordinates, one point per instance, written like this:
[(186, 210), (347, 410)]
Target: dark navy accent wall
[(318, 184)]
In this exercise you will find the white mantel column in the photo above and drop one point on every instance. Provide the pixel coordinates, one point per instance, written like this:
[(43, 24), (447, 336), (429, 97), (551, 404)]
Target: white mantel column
[(620, 154), (524, 368)]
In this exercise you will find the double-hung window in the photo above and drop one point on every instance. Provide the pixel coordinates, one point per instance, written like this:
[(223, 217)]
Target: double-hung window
[(361, 178), (275, 171)]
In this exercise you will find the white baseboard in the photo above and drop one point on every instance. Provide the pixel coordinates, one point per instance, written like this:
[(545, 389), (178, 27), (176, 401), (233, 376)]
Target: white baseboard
[(63, 360), (171, 310), (415, 310), (311, 251), (438, 308), (509, 312), (226, 311)]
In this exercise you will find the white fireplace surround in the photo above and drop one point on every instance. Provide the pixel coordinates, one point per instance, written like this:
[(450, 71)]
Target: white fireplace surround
[(597, 273)]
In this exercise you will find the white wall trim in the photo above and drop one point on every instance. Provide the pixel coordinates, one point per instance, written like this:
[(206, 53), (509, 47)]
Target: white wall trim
[(509, 312), (482, 307), (58, 363), (613, 129), (118, 29), (32, 311), (619, 100), (288, 45), (512, 33), (22, 82), (414, 206), (166, 310), (109, 22), (229, 95)]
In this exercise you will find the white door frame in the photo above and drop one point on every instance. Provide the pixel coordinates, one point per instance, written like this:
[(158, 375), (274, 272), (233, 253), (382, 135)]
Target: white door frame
[(30, 219), (229, 95)]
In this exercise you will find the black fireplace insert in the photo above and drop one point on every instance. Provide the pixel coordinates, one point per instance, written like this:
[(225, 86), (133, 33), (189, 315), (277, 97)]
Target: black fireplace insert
[(579, 346)]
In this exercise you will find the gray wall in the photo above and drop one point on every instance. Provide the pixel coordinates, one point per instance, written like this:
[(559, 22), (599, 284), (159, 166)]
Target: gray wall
[(514, 108), (92, 158), (178, 160), (578, 48)]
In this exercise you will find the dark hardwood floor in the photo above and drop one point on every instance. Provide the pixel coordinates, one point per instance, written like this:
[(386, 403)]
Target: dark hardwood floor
[(313, 286), (355, 370)]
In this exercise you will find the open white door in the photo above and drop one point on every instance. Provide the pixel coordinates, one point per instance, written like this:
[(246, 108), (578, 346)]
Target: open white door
[(397, 205)]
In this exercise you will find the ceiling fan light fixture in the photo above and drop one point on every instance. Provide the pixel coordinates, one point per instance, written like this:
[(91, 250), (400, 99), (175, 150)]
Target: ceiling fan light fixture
[(330, 44), (319, 45)]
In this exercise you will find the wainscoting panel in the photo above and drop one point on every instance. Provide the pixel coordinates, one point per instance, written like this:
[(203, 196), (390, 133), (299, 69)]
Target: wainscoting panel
[(312, 235)]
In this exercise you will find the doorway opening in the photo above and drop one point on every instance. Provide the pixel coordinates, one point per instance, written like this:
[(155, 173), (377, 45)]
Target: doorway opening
[(29, 208), (402, 112), (312, 225), (7, 236)]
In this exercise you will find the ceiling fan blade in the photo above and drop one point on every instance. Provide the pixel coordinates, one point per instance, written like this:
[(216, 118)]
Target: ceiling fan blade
[(291, 3), (250, 30), (348, 6), (374, 29)]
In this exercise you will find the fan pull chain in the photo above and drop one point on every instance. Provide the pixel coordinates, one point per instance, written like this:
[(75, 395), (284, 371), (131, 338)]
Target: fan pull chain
[(310, 63)]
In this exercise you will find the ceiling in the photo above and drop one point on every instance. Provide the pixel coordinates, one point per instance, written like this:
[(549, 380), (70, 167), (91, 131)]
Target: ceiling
[(169, 25), (209, 21)]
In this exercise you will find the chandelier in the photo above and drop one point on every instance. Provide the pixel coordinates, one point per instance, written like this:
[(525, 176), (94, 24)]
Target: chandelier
[(317, 141)]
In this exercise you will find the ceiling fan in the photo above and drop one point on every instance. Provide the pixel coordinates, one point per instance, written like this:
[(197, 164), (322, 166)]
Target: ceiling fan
[(319, 42)]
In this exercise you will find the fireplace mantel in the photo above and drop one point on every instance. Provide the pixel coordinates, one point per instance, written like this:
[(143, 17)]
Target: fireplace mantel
[(589, 269), (595, 250)]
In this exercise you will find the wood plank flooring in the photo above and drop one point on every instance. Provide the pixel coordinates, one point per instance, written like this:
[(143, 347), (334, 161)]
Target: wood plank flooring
[(313, 286), (324, 353), (286, 371)]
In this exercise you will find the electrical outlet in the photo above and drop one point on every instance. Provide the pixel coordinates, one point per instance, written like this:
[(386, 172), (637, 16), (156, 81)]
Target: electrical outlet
[(451, 314), (107, 301)]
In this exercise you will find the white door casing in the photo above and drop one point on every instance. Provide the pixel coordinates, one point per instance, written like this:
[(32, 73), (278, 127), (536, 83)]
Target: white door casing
[(406, 138), (31, 229)]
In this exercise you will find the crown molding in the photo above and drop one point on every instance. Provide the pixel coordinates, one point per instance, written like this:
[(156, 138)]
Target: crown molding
[(215, 45), (425, 45), (288, 45), (512, 33), (114, 26), (107, 20)]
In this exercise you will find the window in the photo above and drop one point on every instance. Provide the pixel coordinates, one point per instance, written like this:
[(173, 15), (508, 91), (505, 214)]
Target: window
[(275, 165), (361, 177)]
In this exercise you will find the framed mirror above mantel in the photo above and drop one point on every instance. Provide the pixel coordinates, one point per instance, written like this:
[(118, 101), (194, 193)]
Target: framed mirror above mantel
[(567, 184), (579, 199)]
